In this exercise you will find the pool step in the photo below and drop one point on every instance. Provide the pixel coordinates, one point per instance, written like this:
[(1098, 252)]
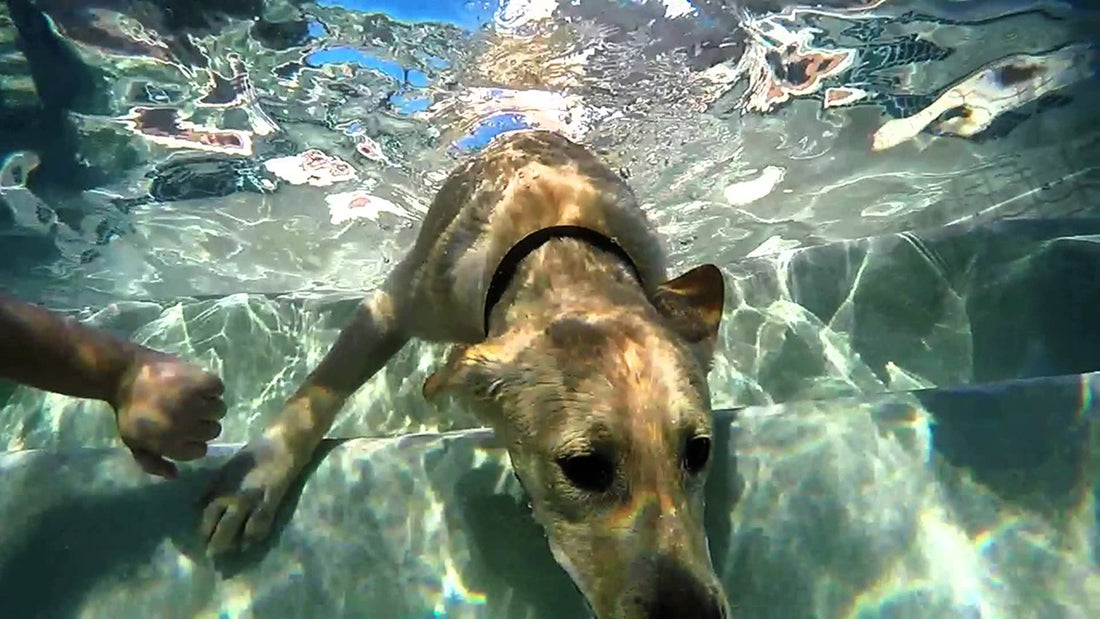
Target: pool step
[(985, 494)]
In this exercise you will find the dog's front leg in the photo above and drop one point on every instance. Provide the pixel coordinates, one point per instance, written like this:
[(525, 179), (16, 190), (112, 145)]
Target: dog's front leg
[(241, 504)]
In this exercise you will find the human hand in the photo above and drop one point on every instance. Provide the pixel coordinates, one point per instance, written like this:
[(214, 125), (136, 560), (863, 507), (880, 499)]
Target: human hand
[(167, 408)]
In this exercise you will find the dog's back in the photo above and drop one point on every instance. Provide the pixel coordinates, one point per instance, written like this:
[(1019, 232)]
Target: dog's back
[(521, 183)]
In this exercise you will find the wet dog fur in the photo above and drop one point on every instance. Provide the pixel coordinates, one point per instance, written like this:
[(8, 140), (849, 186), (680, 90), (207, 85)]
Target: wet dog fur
[(590, 366)]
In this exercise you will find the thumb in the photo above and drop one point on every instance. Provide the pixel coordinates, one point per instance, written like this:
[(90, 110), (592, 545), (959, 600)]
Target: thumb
[(153, 464)]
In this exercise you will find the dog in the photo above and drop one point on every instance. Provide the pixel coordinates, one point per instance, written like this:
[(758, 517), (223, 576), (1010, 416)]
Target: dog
[(536, 263)]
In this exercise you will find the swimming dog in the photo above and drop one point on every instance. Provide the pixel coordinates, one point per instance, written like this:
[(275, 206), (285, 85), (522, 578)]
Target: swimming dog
[(537, 264)]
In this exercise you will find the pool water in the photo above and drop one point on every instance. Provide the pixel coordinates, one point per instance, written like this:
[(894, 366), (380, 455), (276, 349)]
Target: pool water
[(903, 197)]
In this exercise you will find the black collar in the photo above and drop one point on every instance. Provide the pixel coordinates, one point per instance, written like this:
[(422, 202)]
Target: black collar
[(506, 270)]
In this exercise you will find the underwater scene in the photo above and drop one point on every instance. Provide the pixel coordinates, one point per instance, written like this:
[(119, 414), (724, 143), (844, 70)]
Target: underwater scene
[(903, 198)]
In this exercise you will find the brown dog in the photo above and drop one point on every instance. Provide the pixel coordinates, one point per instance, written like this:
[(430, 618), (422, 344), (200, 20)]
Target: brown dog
[(535, 260)]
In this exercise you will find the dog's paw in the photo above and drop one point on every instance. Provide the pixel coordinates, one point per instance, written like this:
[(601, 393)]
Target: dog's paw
[(240, 505)]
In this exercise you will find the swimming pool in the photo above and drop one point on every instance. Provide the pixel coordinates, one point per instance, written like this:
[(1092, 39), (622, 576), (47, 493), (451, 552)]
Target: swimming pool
[(901, 195)]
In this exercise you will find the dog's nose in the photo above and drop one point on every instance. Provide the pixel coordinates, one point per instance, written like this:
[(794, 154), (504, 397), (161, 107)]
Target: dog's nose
[(679, 594)]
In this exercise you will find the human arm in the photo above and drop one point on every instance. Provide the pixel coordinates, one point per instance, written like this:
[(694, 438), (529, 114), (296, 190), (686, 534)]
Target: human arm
[(165, 407)]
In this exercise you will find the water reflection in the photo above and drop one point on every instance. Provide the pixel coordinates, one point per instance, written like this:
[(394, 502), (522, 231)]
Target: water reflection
[(222, 182)]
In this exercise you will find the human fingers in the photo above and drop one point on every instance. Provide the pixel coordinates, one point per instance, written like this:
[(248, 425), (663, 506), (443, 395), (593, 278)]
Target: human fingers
[(202, 406), (204, 431), (153, 464)]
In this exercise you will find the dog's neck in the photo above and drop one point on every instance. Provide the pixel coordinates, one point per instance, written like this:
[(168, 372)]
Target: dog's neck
[(565, 276)]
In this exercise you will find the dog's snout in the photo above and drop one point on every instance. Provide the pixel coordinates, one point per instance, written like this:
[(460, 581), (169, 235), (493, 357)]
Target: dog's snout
[(681, 594)]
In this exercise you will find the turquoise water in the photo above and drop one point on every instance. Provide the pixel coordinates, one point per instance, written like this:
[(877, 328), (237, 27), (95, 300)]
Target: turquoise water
[(902, 195)]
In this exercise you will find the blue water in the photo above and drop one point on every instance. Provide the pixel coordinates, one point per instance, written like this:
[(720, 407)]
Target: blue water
[(338, 55), (490, 128), (905, 373), (469, 14)]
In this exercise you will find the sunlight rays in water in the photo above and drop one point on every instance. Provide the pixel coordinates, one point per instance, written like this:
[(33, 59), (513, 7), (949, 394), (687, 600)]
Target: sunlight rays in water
[(847, 506), (919, 532), (303, 146)]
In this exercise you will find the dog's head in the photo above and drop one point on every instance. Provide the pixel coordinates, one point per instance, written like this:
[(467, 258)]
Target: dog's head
[(606, 416)]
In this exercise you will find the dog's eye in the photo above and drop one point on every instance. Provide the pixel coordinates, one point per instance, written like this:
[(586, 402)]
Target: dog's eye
[(591, 472), (696, 454)]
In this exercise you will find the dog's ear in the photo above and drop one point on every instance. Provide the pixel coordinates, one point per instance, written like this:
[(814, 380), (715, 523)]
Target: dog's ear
[(473, 368), (692, 303)]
